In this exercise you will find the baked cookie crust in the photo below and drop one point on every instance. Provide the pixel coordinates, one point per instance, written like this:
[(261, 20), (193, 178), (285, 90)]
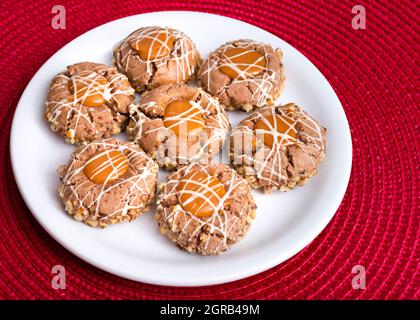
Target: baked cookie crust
[(66, 110), (209, 235), (243, 92), (290, 161), (147, 126), (102, 204), (173, 58)]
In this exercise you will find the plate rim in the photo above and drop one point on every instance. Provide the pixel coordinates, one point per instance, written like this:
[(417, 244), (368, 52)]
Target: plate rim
[(155, 281)]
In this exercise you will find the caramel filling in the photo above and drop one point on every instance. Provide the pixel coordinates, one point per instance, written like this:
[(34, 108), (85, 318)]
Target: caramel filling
[(106, 166), (242, 63), (200, 193), (88, 89), (155, 45), (183, 118), (276, 128)]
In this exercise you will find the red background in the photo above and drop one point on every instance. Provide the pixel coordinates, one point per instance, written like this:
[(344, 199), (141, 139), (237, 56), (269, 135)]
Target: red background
[(373, 72)]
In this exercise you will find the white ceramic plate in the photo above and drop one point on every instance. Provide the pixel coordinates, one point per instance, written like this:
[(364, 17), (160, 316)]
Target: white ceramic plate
[(285, 222)]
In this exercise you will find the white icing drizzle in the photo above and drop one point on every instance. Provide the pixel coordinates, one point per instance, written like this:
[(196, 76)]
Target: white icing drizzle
[(72, 104), (183, 51), (141, 180), (265, 83), (261, 160), (219, 222)]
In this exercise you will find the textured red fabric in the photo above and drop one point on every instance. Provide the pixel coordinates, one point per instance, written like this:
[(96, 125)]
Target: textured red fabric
[(373, 72)]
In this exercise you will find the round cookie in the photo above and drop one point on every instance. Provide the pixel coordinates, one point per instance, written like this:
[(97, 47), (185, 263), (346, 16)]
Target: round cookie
[(278, 148), (154, 56), (107, 181), (243, 74), (205, 208), (88, 101), (178, 124)]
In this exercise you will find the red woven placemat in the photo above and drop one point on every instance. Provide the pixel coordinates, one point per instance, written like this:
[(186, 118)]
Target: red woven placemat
[(373, 72)]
